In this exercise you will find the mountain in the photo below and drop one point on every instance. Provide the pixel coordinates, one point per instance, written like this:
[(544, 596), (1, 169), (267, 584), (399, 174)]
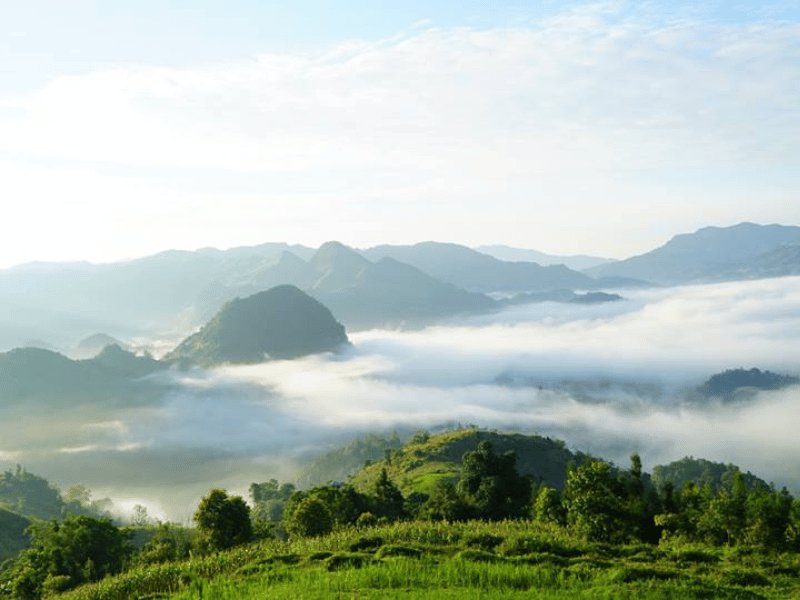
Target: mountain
[(577, 262), (282, 322), (713, 254), (472, 270), (778, 262), (394, 294), (62, 302), (93, 345)]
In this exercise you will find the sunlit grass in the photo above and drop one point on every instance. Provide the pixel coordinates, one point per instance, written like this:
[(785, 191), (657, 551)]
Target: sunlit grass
[(508, 559)]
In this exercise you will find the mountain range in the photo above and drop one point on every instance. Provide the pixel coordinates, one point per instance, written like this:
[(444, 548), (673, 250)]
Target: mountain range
[(743, 251), (173, 292)]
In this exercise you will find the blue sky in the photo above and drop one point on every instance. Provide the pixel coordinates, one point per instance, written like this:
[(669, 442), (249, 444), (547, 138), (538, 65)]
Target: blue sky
[(603, 128)]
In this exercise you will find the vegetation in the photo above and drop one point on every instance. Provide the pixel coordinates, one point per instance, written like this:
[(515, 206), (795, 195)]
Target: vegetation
[(605, 532), (222, 521), (62, 555), (339, 464)]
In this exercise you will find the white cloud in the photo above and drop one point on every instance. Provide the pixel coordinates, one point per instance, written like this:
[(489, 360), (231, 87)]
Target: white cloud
[(559, 124)]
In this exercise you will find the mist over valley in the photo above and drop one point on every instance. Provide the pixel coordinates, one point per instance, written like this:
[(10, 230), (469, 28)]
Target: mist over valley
[(607, 377)]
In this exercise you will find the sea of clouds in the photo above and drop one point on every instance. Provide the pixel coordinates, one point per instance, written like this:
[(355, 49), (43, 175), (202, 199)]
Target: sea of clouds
[(515, 370)]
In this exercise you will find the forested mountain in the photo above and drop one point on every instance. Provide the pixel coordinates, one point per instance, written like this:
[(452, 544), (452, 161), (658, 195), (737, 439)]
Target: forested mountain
[(743, 251), (282, 322)]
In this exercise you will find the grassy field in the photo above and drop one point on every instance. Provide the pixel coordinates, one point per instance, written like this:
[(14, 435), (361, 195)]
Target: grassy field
[(465, 561)]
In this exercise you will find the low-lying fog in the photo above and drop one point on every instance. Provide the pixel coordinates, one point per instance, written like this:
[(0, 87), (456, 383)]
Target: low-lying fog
[(532, 368)]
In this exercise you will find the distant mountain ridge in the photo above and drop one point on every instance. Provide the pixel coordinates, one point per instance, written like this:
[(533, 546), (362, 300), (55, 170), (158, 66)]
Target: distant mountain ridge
[(743, 251), (412, 286), (577, 262)]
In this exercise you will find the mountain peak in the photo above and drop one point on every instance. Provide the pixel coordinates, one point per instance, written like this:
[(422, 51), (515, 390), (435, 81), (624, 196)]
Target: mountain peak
[(282, 322)]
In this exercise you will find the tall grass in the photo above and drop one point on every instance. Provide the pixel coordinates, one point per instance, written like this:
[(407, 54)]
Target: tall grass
[(466, 560)]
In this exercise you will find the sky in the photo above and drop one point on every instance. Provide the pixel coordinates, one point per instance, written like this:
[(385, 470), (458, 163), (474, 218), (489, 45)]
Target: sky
[(600, 128)]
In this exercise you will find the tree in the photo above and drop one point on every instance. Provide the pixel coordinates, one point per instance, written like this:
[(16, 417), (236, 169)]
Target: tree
[(548, 508), (388, 498), (222, 521), (491, 484), (594, 503), (311, 518), (64, 555)]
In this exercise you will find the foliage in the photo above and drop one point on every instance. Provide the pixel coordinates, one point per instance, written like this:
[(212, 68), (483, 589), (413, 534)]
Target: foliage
[(169, 542), (388, 501), (63, 555), (310, 518), (222, 521), (32, 496), (491, 484)]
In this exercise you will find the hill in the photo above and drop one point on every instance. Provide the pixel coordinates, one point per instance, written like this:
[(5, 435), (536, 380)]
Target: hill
[(699, 471), (34, 375), (282, 322), (426, 459), (712, 254), (740, 384)]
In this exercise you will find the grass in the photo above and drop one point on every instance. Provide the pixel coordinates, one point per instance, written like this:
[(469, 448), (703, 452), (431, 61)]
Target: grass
[(466, 560)]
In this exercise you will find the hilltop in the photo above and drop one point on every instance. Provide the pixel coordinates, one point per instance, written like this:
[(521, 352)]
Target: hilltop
[(426, 459)]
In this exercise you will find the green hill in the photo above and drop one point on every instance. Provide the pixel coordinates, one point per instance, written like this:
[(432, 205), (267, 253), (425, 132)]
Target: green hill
[(282, 322), (423, 461)]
